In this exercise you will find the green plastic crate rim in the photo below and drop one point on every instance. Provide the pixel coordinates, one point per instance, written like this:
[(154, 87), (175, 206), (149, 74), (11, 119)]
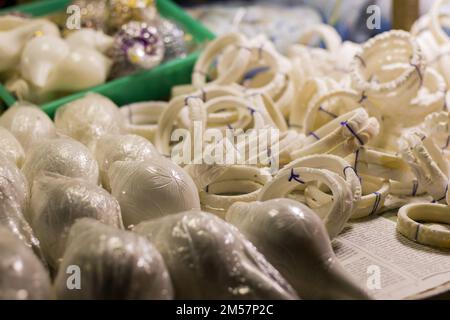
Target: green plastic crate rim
[(152, 84)]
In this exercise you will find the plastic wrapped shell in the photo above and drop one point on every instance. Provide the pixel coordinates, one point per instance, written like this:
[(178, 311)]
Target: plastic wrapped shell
[(22, 276), (57, 202), (210, 259), (13, 203), (113, 264), (112, 148), (13, 184), (151, 189), (28, 124), (294, 239), (10, 147), (63, 156), (89, 118)]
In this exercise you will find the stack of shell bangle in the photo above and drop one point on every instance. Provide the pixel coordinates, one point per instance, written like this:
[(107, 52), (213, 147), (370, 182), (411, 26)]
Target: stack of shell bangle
[(364, 129)]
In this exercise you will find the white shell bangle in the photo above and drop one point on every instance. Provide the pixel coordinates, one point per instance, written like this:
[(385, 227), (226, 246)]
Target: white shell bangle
[(409, 224), (234, 71), (235, 184), (142, 118)]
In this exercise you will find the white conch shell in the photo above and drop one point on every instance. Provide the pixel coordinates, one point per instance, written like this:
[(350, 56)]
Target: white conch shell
[(22, 276), (28, 124), (151, 189), (40, 57), (10, 147), (57, 202), (112, 148), (48, 60), (63, 156), (87, 68), (14, 34), (89, 118), (294, 240), (114, 264), (91, 39), (209, 259)]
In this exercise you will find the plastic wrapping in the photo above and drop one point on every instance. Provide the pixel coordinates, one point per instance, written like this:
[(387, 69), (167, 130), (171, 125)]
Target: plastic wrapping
[(114, 264), (89, 118), (112, 148), (151, 189), (210, 259), (63, 156), (10, 147), (13, 204), (57, 202), (293, 238), (28, 124), (22, 276)]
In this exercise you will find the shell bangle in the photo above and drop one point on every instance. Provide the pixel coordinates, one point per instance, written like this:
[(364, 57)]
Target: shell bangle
[(410, 224), (236, 184), (234, 71)]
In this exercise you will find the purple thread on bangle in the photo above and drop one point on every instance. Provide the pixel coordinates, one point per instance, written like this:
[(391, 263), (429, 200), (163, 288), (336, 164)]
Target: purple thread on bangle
[(313, 134), (345, 123), (295, 177), (415, 188), (377, 202), (229, 126), (357, 56), (331, 114), (252, 111)]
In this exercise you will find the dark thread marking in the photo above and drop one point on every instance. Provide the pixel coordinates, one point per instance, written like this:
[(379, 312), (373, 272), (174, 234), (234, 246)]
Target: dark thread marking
[(252, 111), (416, 236), (415, 188), (313, 134), (331, 114), (356, 161), (295, 177), (207, 189), (418, 72), (203, 94), (345, 124), (377, 202), (447, 143), (229, 126), (363, 97)]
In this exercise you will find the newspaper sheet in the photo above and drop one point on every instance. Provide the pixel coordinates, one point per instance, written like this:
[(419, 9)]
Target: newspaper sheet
[(405, 269)]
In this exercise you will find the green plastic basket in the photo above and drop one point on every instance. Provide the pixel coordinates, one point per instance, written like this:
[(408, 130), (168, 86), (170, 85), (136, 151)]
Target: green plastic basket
[(153, 84)]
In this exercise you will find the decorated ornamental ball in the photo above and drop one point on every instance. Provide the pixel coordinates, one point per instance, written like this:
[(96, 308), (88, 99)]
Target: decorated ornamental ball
[(137, 45)]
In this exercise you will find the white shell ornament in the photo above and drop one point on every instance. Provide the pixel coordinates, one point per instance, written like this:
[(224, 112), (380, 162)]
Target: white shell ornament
[(151, 189), (114, 264), (28, 124), (22, 276), (209, 259), (89, 118), (307, 260), (63, 156), (57, 202)]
